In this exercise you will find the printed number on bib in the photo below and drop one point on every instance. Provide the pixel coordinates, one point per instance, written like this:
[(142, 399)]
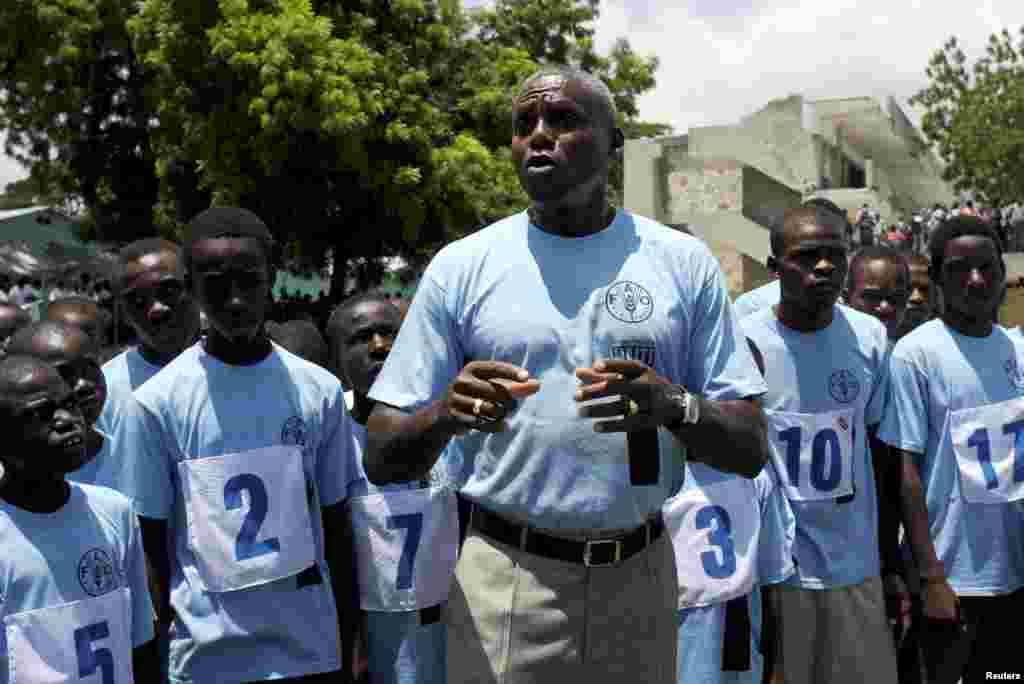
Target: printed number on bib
[(714, 535), (87, 640), (406, 546), (813, 453), (988, 441), (249, 521)]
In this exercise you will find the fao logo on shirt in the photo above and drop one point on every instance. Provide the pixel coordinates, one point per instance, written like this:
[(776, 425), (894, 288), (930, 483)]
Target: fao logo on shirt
[(1013, 373), (294, 432), (96, 572), (629, 302), (843, 386)]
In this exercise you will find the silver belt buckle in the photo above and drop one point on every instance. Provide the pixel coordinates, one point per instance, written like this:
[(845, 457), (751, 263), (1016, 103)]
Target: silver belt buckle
[(596, 542)]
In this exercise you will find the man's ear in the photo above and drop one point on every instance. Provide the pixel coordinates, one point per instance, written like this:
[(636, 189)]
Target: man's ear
[(618, 139), (772, 264)]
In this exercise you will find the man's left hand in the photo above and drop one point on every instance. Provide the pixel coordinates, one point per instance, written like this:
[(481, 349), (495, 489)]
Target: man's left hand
[(642, 390)]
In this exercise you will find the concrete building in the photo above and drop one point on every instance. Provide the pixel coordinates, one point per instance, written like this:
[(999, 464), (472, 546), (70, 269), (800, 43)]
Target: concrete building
[(729, 184)]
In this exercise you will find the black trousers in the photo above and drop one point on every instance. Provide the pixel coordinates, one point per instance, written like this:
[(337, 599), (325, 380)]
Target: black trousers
[(986, 640)]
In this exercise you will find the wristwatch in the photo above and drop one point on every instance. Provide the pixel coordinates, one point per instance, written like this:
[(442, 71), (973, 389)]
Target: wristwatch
[(689, 408)]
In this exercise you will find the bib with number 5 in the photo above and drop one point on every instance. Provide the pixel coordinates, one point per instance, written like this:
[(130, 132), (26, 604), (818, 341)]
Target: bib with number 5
[(988, 441), (714, 535), (406, 546), (813, 453), (248, 517), (87, 640)]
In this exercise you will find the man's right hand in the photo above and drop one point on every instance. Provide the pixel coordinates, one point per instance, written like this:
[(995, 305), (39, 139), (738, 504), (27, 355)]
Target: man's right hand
[(939, 601), (484, 393)]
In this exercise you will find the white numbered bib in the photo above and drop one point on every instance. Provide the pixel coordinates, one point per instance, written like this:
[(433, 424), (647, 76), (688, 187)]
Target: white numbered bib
[(714, 535), (248, 517), (86, 641), (406, 544), (813, 453), (988, 441)]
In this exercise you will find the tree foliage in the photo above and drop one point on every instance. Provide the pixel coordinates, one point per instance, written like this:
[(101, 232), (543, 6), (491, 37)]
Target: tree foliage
[(360, 127), (974, 114)]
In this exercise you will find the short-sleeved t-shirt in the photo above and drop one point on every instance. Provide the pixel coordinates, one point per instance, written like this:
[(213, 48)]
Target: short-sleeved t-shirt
[(839, 368), (702, 628), (514, 293), (757, 299), (123, 374), (199, 407), (88, 548), (935, 372)]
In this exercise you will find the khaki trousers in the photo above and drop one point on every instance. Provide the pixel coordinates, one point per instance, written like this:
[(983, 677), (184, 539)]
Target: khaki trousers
[(836, 636), (517, 618)]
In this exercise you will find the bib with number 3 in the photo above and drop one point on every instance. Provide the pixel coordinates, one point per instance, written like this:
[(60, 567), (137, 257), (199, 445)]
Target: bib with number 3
[(87, 640), (988, 441), (406, 544), (813, 453), (714, 535), (248, 517)]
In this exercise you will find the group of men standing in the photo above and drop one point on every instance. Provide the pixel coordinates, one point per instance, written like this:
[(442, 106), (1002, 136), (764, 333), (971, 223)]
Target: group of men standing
[(573, 458)]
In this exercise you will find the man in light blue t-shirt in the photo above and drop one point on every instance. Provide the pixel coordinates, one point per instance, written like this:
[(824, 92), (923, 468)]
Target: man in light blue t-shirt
[(153, 299), (566, 572), (404, 635), (956, 421), (826, 376), (239, 456)]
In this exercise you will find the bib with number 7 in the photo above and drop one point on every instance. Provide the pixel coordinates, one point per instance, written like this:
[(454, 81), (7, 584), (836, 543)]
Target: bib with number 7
[(813, 453), (87, 640), (988, 441), (248, 517), (406, 545), (714, 535)]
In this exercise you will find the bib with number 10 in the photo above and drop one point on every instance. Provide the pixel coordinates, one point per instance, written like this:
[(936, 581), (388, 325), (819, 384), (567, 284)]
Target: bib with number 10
[(406, 544), (714, 536), (813, 453), (72, 642), (248, 517), (988, 441)]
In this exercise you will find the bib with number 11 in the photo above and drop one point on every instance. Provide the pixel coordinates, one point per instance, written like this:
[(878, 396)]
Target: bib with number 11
[(248, 517), (813, 453), (988, 441)]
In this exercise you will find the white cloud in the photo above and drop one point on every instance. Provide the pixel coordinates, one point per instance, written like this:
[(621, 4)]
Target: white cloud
[(10, 170), (718, 66)]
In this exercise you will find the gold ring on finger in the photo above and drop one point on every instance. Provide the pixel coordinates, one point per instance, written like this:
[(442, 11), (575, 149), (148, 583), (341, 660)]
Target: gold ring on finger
[(632, 408), (477, 405)]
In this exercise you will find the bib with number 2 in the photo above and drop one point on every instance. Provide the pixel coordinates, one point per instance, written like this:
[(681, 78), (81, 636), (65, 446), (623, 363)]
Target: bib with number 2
[(248, 517), (988, 441), (813, 453), (86, 640), (406, 544), (714, 535)]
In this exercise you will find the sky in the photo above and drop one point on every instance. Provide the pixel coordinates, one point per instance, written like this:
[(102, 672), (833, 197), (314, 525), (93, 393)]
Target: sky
[(724, 59)]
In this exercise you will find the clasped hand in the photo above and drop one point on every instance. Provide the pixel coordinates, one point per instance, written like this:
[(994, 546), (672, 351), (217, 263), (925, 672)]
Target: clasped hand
[(486, 392)]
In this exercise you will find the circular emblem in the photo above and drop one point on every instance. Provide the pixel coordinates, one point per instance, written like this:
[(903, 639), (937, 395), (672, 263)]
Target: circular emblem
[(1013, 373), (96, 573), (629, 302), (294, 431), (843, 386)]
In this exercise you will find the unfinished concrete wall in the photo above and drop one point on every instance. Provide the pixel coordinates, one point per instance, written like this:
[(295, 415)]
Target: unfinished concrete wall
[(765, 200), (696, 186)]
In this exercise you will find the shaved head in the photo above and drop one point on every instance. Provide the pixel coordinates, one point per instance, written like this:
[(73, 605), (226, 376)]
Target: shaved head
[(567, 73), (801, 216), (49, 339), (81, 312), (18, 371)]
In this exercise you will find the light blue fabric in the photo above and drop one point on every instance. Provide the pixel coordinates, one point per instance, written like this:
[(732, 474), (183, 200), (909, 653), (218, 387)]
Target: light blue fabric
[(199, 407), (123, 374), (514, 293), (44, 553), (399, 650), (935, 371), (836, 543), (702, 629), (757, 299), (701, 639)]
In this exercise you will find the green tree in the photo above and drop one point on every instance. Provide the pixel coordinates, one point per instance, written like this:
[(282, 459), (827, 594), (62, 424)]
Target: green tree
[(72, 102), (974, 114)]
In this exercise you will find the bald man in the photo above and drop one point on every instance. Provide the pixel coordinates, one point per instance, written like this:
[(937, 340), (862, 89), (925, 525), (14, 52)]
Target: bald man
[(83, 313)]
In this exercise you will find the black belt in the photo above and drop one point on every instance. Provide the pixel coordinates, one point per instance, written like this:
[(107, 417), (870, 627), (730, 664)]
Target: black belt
[(431, 615), (592, 553)]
